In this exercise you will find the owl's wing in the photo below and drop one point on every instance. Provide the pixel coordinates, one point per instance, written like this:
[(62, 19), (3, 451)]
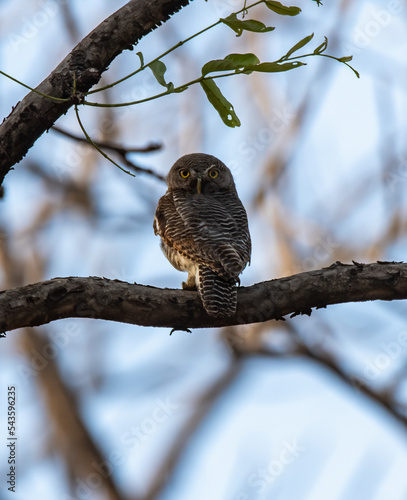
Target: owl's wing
[(207, 231)]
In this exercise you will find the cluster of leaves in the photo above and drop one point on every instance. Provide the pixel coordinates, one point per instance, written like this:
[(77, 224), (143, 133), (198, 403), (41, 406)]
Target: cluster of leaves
[(232, 64)]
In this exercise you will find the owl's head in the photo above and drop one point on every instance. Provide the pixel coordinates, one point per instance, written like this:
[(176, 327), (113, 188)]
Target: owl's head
[(200, 173)]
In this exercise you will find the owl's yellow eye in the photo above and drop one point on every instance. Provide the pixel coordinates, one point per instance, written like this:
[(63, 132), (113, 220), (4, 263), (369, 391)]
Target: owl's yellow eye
[(184, 173), (213, 173)]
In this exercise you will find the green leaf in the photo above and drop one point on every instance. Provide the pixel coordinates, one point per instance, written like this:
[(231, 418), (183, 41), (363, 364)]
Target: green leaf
[(230, 62), (239, 26), (217, 65), (220, 103), (178, 90), (321, 48), (354, 70), (241, 60), (140, 54), (298, 46), (345, 59), (273, 67), (158, 68), (278, 8)]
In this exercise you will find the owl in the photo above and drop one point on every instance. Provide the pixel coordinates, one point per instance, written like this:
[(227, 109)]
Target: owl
[(203, 228)]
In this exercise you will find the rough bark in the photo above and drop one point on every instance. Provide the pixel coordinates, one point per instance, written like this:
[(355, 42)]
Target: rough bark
[(35, 114), (114, 300)]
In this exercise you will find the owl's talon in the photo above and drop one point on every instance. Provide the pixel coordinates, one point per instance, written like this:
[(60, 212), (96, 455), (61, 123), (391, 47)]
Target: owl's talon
[(180, 330), (185, 286)]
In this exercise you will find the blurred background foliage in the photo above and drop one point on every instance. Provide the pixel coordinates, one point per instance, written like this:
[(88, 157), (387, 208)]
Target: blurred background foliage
[(310, 408)]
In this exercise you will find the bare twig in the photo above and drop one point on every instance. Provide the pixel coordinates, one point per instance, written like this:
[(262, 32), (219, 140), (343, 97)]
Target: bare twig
[(119, 150), (382, 397)]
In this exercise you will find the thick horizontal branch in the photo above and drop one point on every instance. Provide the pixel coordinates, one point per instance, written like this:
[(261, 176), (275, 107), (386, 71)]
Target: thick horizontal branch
[(35, 114), (114, 300)]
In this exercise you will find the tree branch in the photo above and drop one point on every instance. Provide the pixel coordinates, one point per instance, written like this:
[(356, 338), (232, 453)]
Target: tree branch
[(116, 148), (67, 430), (120, 150), (114, 300), (35, 114), (382, 396)]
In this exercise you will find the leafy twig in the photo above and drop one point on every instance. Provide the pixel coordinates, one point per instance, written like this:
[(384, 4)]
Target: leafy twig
[(143, 66)]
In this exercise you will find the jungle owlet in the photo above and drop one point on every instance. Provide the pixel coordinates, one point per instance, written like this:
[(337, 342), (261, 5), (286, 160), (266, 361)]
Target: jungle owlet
[(203, 228)]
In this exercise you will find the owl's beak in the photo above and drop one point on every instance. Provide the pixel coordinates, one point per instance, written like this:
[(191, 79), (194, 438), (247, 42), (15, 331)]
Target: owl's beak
[(199, 184)]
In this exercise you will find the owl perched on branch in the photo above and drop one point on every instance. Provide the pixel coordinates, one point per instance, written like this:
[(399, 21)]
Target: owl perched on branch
[(203, 228)]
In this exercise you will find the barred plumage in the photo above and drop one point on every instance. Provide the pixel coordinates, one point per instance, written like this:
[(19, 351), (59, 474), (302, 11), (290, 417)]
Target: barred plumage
[(203, 228)]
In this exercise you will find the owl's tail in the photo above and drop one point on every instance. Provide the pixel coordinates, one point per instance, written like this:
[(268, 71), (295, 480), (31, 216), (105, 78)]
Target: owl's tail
[(219, 296)]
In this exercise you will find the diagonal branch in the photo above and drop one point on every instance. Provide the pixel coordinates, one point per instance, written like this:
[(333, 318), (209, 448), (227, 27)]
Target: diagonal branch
[(35, 114), (382, 397), (114, 300), (70, 436)]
